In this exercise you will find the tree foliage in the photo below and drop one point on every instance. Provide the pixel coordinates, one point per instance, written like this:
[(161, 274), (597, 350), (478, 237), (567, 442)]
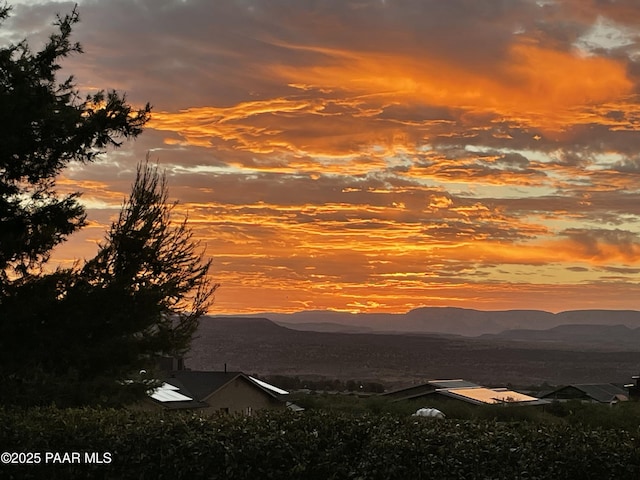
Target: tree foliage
[(46, 124), (80, 335), (153, 267)]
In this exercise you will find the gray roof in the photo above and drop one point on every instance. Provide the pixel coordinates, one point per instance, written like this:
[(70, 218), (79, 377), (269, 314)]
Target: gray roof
[(200, 384), (197, 386), (415, 391), (453, 384), (203, 384), (601, 392)]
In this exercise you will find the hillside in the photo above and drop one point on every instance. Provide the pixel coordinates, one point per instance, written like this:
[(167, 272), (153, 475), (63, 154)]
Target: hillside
[(260, 346), (456, 321), (604, 336)]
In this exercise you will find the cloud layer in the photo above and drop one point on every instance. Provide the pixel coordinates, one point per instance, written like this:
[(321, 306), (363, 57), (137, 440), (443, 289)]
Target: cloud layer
[(379, 155)]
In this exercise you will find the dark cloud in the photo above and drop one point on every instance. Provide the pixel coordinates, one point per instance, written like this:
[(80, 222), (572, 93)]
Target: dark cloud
[(577, 269), (626, 271), (628, 165), (594, 241)]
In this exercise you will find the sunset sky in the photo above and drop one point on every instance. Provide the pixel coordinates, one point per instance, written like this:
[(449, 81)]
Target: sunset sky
[(377, 155)]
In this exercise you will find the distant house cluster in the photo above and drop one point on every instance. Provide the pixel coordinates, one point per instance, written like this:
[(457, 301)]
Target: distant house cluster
[(471, 393), (237, 393)]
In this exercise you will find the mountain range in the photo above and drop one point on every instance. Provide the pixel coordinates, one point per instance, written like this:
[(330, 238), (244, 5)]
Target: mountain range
[(612, 337), (575, 353), (449, 320)]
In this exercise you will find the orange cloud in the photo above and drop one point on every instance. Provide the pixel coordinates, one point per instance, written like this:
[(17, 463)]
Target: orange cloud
[(531, 82)]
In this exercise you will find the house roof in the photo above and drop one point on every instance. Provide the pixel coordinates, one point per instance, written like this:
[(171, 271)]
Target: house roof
[(600, 392), (190, 389), (169, 393), (453, 384), (293, 407), (268, 386), (203, 384), (489, 396), (175, 396), (463, 390), (415, 391)]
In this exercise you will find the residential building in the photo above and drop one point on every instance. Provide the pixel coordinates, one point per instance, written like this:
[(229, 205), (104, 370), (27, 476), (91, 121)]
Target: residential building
[(589, 392), (216, 392), (634, 388), (463, 391)]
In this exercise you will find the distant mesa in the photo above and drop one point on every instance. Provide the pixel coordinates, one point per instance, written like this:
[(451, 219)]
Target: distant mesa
[(448, 320)]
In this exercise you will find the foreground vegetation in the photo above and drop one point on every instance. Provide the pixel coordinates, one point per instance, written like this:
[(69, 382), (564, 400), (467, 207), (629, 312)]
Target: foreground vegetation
[(624, 415), (313, 445)]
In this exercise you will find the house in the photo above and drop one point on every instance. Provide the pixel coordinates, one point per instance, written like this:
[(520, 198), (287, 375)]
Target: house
[(216, 392), (488, 396), (416, 392), (634, 388), (589, 392), (463, 391)]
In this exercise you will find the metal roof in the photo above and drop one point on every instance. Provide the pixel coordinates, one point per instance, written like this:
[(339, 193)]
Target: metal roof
[(600, 392), (268, 386), (453, 384), (173, 395), (480, 395), (293, 407), (430, 386), (168, 393), (463, 390)]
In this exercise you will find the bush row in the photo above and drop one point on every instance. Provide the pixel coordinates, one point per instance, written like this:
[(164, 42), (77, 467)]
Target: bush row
[(312, 445), (624, 415)]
